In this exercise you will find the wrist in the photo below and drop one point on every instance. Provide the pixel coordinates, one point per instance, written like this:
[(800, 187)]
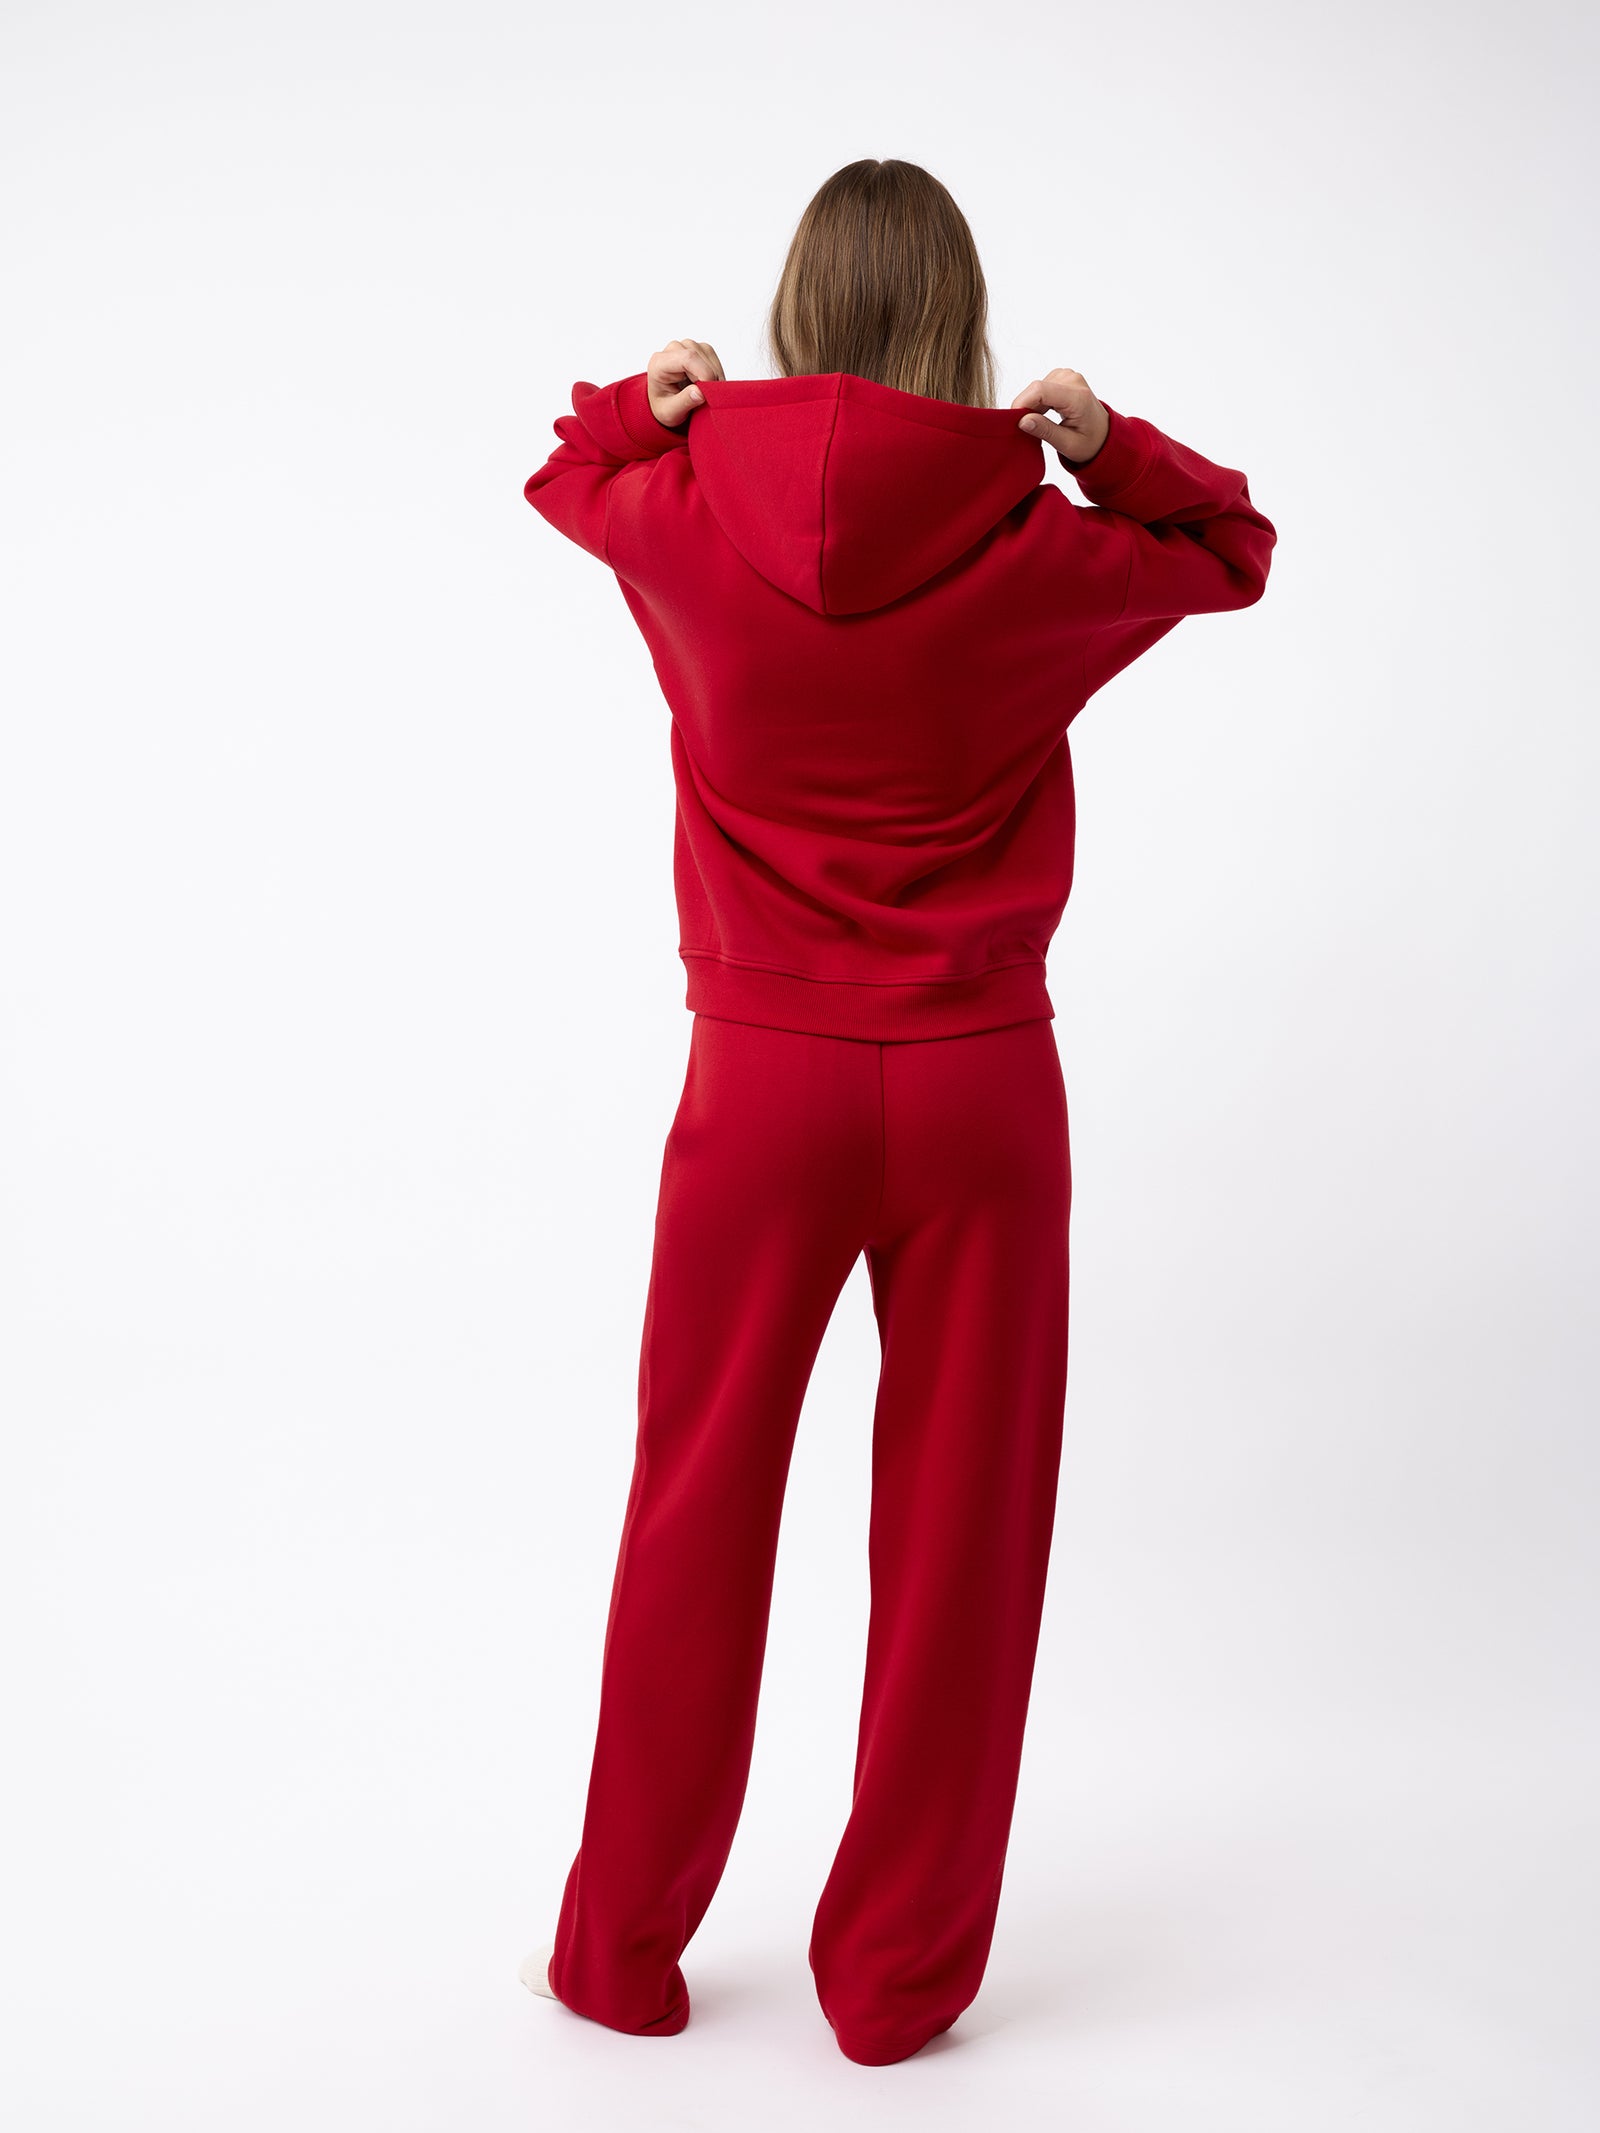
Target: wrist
[(1089, 458), (1117, 462), (640, 419)]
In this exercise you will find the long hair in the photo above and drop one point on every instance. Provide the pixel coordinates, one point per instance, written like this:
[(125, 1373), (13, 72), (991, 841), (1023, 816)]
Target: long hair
[(882, 279)]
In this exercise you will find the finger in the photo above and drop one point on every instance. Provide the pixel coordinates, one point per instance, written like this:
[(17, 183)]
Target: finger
[(671, 384), (676, 406), (672, 367), (700, 359), (1044, 429), (1060, 389)]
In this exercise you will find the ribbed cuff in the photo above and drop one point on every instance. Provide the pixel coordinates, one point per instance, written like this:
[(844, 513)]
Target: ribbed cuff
[(618, 417), (638, 418), (1117, 465)]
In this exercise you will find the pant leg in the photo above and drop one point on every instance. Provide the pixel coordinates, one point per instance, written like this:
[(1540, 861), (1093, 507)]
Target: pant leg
[(969, 1264), (771, 1169)]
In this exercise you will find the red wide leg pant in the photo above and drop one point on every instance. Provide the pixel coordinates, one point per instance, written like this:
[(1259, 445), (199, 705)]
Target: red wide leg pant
[(946, 1161)]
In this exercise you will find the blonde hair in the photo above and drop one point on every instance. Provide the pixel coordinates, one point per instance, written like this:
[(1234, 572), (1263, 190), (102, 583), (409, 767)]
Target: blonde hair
[(883, 280)]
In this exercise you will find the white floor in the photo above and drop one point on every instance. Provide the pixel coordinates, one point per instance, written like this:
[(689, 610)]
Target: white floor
[(300, 1689), (1298, 1942)]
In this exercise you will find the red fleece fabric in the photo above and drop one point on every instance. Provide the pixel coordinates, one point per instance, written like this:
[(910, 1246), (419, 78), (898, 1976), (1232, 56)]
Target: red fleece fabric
[(873, 621), (946, 1162)]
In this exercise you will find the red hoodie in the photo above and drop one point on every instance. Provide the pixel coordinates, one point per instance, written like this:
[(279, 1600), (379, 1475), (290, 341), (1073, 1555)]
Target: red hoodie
[(873, 621)]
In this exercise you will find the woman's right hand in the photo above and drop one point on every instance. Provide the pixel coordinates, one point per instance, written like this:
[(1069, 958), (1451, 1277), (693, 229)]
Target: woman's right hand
[(670, 375), (1084, 423)]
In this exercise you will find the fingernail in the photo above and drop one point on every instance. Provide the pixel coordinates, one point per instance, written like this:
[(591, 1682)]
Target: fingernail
[(695, 393)]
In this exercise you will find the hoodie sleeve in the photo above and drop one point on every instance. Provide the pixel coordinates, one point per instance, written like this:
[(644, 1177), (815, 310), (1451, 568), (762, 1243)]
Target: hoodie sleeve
[(1192, 541), (611, 427)]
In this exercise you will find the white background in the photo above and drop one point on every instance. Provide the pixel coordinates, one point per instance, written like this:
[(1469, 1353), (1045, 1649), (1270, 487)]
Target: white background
[(343, 1024)]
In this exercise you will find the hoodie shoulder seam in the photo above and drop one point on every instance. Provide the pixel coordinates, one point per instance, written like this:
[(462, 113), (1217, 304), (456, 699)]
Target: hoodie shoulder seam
[(1112, 621)]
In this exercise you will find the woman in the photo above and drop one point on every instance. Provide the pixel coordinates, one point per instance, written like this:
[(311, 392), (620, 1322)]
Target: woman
[(873, 622)]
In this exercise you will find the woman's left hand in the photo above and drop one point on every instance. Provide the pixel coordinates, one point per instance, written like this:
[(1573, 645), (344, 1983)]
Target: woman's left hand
[(670, 376)]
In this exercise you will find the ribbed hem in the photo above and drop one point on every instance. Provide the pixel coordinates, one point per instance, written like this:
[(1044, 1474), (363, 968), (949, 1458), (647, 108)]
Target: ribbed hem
[(939, 1007)]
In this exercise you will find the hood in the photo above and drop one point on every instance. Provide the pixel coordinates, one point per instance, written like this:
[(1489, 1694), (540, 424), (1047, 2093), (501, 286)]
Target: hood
[(847, 494)]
